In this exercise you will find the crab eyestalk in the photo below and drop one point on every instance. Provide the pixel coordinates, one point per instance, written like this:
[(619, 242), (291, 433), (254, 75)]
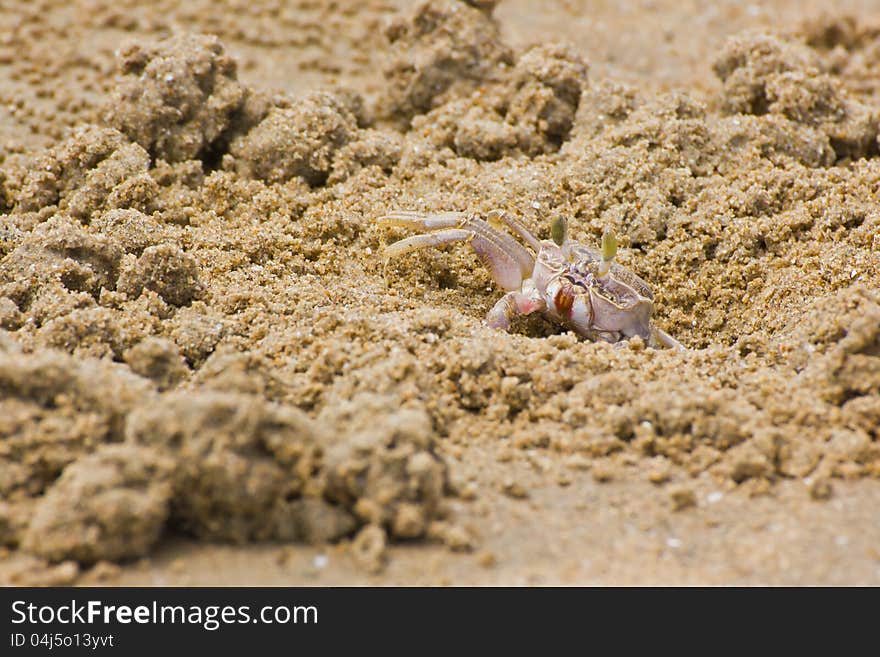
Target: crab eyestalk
[(609, 250), (559, 230)]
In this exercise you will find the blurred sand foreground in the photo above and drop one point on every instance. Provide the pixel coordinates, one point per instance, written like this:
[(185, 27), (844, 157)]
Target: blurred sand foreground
[(208, 375)]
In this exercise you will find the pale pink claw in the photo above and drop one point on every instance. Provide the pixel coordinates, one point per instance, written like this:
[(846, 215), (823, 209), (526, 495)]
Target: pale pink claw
[(512, 304)]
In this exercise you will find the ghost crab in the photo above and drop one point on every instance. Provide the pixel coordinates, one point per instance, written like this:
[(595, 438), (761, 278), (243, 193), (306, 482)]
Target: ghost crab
[(568, 282)]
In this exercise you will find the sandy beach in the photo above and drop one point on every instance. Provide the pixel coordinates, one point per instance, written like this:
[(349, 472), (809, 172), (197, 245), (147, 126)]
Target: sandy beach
[(211, 373)]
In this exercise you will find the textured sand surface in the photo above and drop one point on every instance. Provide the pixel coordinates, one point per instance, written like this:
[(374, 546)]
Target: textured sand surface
[(209, 374)]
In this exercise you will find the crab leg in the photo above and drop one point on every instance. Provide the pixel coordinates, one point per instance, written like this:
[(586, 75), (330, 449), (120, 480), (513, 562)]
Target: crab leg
[(507, 260), (666, 340), (496, 217), (425, 222), (439, 238)]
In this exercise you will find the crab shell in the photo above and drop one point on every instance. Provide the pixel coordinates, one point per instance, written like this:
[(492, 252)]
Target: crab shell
[(610, 307)]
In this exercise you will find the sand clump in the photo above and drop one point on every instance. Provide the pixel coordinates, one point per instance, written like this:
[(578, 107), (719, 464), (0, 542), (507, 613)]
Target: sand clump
[(111, 504), (200, 336), (386, 471), (96, 168), (441, 50), (58, 409), (762, 74), (178, 100), (221, 466), (159, 360), (129, 228), (248, 470), (530, 109), (164, 269), (296, 141), (60, 255)]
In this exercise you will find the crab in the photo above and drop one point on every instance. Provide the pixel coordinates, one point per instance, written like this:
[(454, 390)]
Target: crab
[(569, 283)]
